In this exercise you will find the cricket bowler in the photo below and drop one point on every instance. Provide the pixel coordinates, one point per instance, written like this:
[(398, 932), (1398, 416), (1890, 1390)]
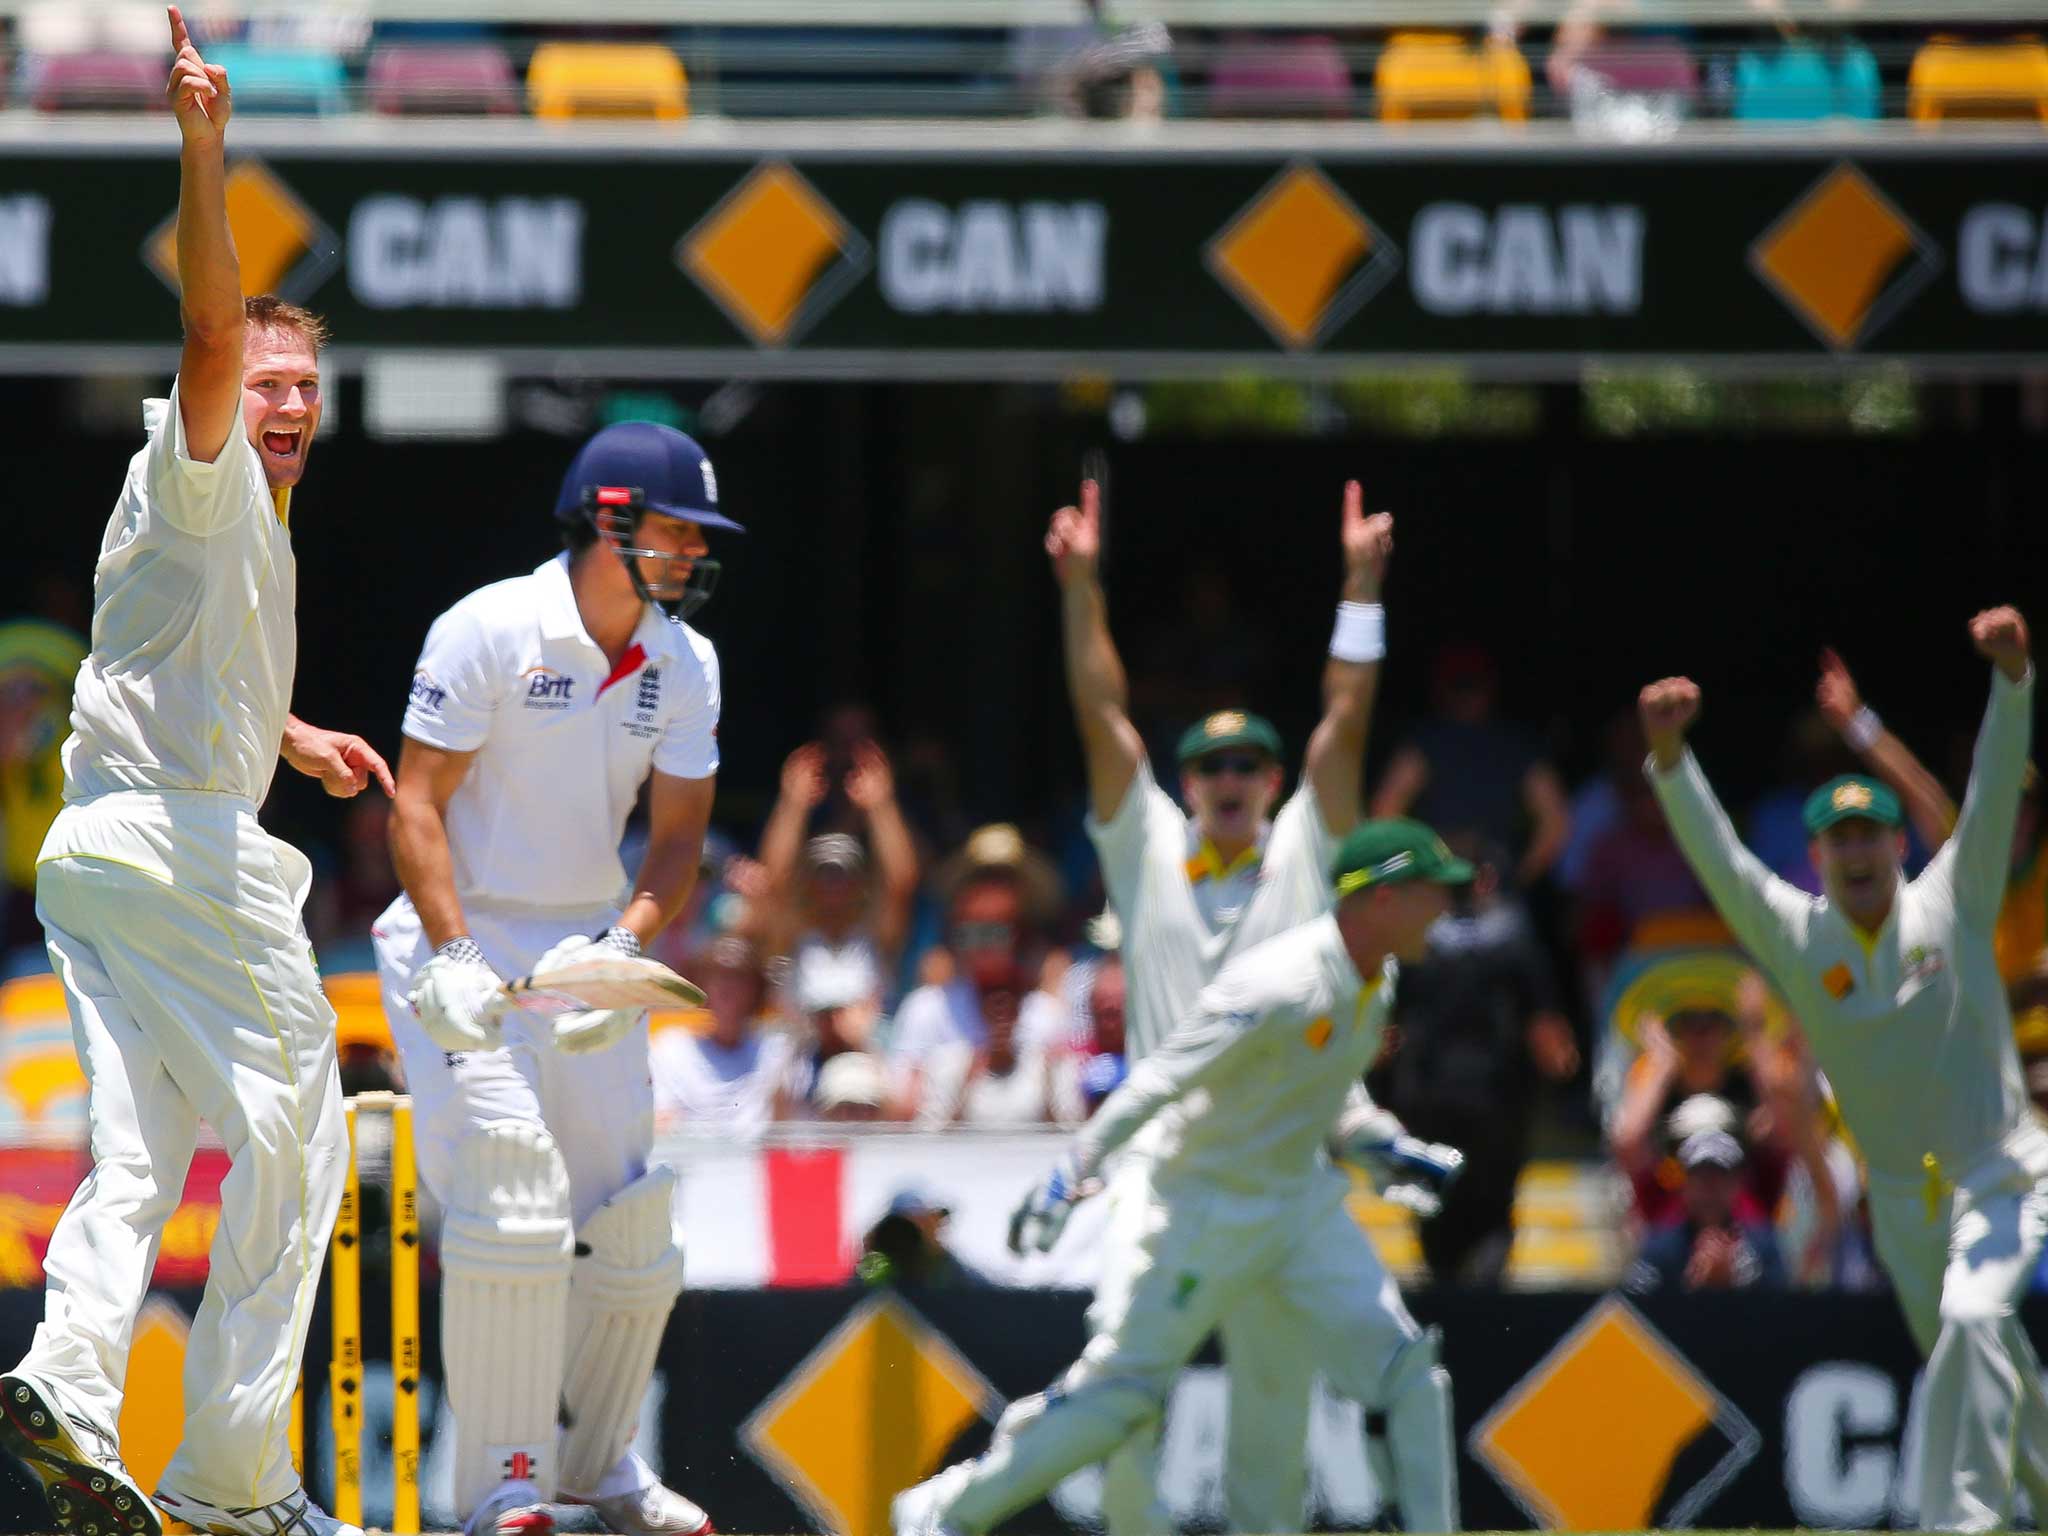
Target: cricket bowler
[(540, 707), (1896, 986), (173, 918), (1239, 1099)]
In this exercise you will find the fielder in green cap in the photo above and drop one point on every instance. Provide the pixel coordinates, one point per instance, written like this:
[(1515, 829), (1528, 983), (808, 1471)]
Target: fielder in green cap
[(1896, 987)]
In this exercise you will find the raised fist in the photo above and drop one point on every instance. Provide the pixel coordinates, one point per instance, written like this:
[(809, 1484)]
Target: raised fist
[(1668, 709), (2000, 635)]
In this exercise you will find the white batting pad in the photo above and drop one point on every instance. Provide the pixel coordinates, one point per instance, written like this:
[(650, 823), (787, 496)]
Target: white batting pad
[(1420, 1439), (629, 1271), (505, 1261)]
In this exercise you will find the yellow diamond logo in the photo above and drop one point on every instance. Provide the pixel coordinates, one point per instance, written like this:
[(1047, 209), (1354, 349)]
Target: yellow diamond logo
[(153, 1401), (872, 1410), (1594, 1438), (282, 245), (1844, 259), (773, 254), (1301, 257)]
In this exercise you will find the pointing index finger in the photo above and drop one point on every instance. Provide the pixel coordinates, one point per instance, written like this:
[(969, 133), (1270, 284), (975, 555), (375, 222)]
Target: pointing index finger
[(181, 38)]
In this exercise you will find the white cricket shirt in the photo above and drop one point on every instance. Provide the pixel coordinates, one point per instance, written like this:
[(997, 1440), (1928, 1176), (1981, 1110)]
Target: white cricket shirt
[(1182, 916), (1910, 1024), (194, 627), (1257, 1073), (563, 740)]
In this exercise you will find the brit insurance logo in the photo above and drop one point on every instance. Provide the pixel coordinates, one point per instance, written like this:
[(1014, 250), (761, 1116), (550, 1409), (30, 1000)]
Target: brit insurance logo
[(1614, 1430), (773, 254), (1302, 257), (282, 245), (426, 693), (547, 688), (1845, 259)]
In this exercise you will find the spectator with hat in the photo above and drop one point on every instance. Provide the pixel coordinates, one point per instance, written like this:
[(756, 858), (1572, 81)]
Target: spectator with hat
[(998, 884), (851, 1088), (837, 1020), (830, 907), (1710, 1247)]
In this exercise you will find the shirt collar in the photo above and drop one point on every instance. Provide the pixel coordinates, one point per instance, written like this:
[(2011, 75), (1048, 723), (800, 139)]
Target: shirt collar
[(1206, 863), (561, 620)]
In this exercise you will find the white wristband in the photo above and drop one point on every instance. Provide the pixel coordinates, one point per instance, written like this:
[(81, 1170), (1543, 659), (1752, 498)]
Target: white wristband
[(1863, 728), (1361, 633)]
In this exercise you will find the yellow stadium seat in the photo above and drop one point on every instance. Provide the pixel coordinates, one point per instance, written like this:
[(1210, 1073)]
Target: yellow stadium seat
[(41, 1082), (606, 80), (1441, 75), (358, 1002), (1952, 79)]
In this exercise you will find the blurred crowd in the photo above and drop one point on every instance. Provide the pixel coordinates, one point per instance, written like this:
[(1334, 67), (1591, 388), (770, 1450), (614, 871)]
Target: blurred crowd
[(868, 957), (1619, 68)]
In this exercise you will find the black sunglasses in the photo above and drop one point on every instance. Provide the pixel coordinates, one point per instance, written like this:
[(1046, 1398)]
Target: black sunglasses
[(1244, 763)]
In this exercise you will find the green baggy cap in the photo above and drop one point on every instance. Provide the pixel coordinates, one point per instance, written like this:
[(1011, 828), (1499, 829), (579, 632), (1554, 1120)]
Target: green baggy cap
[(1851, 795), (1391, 851)]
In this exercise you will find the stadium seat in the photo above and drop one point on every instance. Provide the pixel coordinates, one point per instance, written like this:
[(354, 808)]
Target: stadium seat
[(95, 82), (606, 80), (454, 78), (297, 81), (41, 1084), (1952, 79), (1662, 67), (1280, 77), (1441, 75), (1804, 84), (358, 1001)]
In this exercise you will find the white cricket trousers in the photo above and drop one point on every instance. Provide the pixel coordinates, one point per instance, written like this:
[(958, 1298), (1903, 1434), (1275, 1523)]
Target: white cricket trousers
[(1269, 1363), (173, 922), (1960, 1272), (1202, 1252), (598, 1107)]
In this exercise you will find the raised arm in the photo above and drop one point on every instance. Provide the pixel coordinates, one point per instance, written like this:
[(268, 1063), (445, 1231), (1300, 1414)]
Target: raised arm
[(1755, 903), (1550, 820), (871, 786), (209, 276), (1842, 706), (804, 787), (1982, 845), (1095, 673), (1334, 764)]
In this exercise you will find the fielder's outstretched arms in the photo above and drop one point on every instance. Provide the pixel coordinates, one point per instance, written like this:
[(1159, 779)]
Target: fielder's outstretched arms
[(1898, 991)]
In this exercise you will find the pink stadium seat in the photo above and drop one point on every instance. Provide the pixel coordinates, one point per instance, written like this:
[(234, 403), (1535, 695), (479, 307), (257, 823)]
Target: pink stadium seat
[(1289, 76), (452, 78), (98, 82)]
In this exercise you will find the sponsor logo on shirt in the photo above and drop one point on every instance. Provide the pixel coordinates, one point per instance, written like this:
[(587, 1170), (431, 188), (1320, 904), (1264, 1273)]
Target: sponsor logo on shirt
[(548, 689), (427, 693), (1318, 1034), (1839, 980)]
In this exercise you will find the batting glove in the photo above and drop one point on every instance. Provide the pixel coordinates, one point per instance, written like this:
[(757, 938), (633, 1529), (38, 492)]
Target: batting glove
[(594, 1029), (1037, 1223), (455, 998)]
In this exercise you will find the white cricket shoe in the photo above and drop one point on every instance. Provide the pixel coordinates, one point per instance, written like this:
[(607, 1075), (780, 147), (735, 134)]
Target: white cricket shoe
[(292, 1515), (915, 1511), (655, 1510), (513, 1508), (77, 1461)]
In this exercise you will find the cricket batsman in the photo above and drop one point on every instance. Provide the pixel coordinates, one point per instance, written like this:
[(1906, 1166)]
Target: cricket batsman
[(173, 918), (1193, 892), (1896, 986), (1238, 1101), (540, 707)]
